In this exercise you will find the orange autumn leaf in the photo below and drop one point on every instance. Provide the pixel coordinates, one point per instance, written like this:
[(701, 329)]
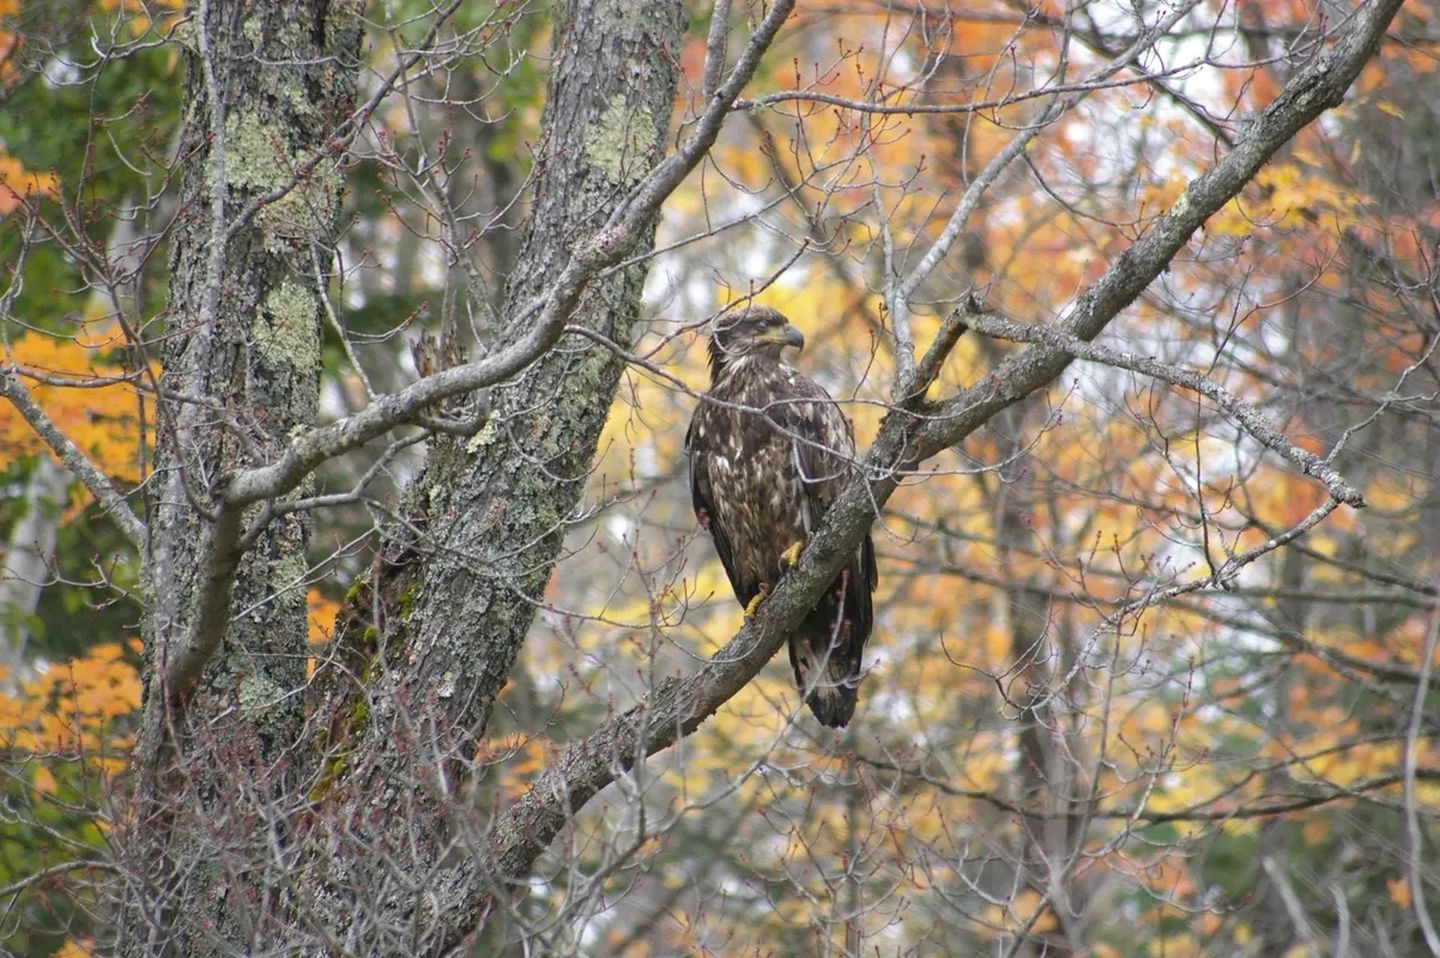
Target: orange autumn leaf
[(18, 183), (321, 615), (1399, 891), (73, 709), (100, 414)]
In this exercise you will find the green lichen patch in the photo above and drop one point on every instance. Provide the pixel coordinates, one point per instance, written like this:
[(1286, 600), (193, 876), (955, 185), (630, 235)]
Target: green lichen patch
[(255, 153), (287, 579), (298, 100), (253, 29), (258, 159), (302, 216), (407, 598), (484, 437), (258, 695), (446, 686), (620, 141), (346, 15), (285, 332)]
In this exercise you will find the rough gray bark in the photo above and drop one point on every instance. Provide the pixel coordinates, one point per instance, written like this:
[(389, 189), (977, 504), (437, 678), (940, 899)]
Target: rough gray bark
[(252, 831), (266, 84), (373, 840)]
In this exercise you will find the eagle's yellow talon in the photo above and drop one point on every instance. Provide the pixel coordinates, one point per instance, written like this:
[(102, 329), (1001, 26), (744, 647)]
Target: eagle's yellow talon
[(755, 602), (791, 556)]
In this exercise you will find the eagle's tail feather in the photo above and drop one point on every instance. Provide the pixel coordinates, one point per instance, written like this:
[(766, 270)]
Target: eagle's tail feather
[(834, 698), (832, 638)]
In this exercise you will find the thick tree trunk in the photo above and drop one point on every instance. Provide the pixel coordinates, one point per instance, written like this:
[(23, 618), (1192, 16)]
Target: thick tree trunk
[(267, 83), (433, 637)]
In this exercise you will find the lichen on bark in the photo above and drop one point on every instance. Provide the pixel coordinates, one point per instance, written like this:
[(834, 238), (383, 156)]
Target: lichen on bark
[(621, 140), (285, 331), (494, 508), (259, 159)]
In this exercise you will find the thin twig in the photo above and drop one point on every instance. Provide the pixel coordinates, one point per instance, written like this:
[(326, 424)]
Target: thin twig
[(554, 307), (676, 707), (940, 349), (1250, 419), (15, 888), (1059, 105)]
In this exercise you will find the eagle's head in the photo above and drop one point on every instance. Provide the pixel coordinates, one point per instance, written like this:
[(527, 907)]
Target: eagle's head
[(753, 331)]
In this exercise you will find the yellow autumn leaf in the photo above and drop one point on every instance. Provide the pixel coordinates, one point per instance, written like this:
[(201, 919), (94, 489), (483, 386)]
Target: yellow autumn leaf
[(44, 780), (75, 948)]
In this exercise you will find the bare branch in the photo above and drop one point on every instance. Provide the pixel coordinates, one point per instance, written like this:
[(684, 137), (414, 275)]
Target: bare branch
[(1202, 810), (1318, 87), (1016, 148), (934, 359), (16, 887), (1414, 843), (877, 108), (1250, 418), (715, 49), (74, 460), (554, 309)]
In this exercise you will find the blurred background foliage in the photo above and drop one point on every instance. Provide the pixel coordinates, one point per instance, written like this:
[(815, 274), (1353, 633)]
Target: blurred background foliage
[(1034, 767)]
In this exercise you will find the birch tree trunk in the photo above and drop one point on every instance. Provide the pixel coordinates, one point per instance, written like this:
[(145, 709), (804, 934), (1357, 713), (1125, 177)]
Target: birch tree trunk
[(26, 563)]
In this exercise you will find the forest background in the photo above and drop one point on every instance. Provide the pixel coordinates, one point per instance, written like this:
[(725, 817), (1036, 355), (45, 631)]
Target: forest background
[(350, 575)]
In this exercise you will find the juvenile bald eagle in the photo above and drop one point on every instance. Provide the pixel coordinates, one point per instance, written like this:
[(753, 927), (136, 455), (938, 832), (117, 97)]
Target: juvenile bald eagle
[(761, 477)]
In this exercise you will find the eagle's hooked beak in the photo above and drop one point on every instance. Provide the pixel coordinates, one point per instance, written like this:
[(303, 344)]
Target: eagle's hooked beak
[(787, 335)]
